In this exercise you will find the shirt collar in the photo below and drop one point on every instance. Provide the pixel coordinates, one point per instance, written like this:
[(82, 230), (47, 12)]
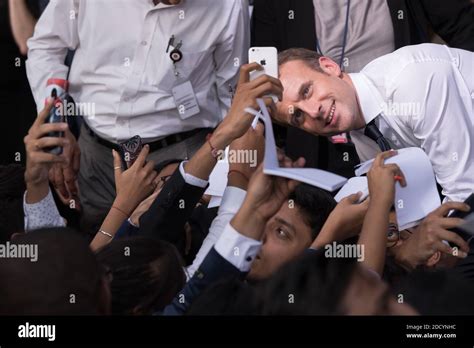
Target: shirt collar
[(369, 97)]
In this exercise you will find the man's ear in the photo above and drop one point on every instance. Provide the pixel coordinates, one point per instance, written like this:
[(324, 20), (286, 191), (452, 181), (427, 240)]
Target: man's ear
[(329, 66), (434, 259)]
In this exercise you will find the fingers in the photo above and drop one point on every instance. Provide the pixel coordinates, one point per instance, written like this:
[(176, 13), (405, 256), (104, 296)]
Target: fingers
[(353, 199), (449, 223), (450, 251), (397, 173), (299, 163), (268, 88), (44, 113), (244, 75), (59, 181), (43, 129), (445, 208), (140, 161), (260, 129), (381, 157), (453, 238), (70, 181), (117, 165), (76, 158), (40, 144)]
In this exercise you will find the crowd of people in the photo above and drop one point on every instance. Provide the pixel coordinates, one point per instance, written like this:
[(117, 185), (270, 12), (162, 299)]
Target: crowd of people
[(146, 239)]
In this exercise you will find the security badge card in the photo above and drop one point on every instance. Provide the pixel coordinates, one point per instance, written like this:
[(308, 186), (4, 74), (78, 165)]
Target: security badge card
[(185, 100)]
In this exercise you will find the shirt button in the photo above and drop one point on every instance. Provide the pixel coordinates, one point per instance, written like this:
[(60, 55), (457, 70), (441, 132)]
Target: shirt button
[(248, 259), (144, 43)]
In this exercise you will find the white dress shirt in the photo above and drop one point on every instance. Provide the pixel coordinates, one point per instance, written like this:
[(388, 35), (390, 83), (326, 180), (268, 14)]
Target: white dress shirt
[(231, 201), (423, 96), (122, 77)]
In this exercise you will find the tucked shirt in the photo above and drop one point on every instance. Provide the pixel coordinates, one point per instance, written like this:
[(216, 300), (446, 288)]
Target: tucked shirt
[(122, 77), (369, 35), (423, 96)]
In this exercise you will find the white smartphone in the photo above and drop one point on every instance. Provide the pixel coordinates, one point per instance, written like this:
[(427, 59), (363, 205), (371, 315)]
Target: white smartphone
[(267, 57)]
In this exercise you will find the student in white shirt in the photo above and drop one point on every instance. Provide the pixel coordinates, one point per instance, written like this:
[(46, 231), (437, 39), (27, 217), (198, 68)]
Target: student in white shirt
[(419, 96), (124, 77)]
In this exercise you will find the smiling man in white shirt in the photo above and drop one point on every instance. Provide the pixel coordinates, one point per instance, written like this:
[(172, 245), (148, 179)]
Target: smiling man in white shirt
[(418, 96), (124, 68)]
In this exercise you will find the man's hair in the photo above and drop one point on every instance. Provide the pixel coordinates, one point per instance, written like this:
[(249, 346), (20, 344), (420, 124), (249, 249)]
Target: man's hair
[(318, 285), (310, 58), (12, 188), (66, 278), (146, 274), (438, 292), (314, 205)]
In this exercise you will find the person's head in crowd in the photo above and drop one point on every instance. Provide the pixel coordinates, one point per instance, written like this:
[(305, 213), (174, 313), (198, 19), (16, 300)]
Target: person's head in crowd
[(319, 285), (146, 274), (230, 296), (292, 229), (437, 292), (422, 246), (317, 97), (59, 275), (12, 189)]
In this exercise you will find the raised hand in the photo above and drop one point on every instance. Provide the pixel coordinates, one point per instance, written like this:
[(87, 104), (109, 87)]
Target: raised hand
[(134, 184), (39, 162)]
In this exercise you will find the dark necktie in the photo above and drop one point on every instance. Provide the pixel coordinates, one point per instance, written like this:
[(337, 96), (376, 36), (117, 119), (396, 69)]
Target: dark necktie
[(373, 132)]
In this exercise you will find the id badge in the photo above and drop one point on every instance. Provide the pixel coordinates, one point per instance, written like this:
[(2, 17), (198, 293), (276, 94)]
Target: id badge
[(185, 100)]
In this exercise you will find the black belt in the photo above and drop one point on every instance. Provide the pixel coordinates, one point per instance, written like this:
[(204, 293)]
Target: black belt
[(155, 145)]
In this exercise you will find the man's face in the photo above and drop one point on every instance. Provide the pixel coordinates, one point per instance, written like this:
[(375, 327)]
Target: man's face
[(286, 236), (367, 294), (319, 103)]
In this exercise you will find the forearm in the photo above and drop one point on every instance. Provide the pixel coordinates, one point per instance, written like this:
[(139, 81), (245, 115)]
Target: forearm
[(111, 225), (36, 192), (22, 23), (236, 179), (326, 235), (373, 237), (248, 222), (203, 161)]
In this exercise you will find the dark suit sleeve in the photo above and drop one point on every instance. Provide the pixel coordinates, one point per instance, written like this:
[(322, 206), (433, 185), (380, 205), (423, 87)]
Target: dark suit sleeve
[(453, 20), (171, 209), (213, 268)]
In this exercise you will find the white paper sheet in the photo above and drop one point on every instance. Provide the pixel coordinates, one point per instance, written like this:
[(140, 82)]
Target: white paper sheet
[(316, 177), (354, 185), (420, 197)]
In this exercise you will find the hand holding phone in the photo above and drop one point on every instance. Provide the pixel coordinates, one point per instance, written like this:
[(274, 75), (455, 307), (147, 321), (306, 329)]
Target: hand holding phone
[(267, 57), (129, 151)]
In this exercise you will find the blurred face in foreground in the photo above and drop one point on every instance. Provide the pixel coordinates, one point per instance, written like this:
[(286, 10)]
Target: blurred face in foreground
[(319, 102), (367, 294)]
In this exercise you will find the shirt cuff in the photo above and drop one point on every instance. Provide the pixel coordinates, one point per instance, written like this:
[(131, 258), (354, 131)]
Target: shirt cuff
[(42, 214), (190, 179), (232, 199), (237, 249)]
